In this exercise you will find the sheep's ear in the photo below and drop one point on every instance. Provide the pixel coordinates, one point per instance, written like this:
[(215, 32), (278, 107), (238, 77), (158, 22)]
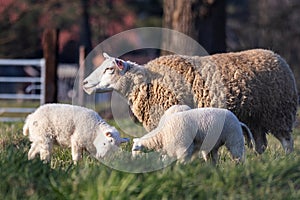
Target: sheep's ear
[(108, 134), (122, 65), (106, 56)]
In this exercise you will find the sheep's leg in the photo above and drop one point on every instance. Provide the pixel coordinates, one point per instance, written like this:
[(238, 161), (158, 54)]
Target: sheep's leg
[(286, 140), (34, 150), (259, 135)]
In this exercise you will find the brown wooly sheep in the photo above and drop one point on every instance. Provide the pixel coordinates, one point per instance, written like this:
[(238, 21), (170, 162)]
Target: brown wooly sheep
[(256, 85)]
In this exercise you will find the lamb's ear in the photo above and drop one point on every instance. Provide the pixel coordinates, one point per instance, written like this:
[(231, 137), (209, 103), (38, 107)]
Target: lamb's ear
[(106, 56), (125, 140), (122, 65), (136, 140)]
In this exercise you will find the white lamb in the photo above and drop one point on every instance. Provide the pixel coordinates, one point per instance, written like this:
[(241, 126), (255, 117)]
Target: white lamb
[(70, 126), (182, 133)]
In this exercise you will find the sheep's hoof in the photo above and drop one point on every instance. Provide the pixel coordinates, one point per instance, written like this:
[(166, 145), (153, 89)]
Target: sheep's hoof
[(260, 149)]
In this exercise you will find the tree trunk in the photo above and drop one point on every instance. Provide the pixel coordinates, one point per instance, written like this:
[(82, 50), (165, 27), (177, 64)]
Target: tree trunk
[(86, 64), (202, 20), (50, 49), (85, 29)]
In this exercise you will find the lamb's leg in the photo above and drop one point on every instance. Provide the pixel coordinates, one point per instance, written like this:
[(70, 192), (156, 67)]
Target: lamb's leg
[(211, 156), (186, 156), (34, 150), (196, 150), (286, 140), (45, 151), (214, 156), (205, 155), (237, 150), (76, 150)]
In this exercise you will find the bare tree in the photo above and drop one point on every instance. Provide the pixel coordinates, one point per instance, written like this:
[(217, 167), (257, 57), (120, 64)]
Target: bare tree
[(270, 24), (203, 20)]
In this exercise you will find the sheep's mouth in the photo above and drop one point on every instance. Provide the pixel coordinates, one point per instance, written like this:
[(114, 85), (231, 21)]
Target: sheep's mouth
[(90, 86), (95, 88), (101, 90)]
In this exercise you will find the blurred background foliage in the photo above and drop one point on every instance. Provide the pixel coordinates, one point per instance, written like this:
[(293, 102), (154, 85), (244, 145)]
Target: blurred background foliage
[(23, 21), (270, 24)]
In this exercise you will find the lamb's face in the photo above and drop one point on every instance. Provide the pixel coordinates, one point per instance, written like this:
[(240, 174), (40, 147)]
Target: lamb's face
[(137, 147), (105, 77), (108, 142), (114, 138)]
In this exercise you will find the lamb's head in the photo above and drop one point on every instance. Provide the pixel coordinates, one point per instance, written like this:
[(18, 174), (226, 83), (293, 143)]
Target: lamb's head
[(105, 77), (107, 142), (113, 137), (137, 147)]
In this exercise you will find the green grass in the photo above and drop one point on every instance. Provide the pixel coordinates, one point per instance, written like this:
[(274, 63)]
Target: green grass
[(272, 175)]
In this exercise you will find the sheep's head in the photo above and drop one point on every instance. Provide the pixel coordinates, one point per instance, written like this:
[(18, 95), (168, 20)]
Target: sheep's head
[(104, 78), (108, 142)]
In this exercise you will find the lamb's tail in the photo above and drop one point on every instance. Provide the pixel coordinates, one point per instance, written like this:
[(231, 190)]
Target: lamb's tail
[(26, 127), (249, 137)]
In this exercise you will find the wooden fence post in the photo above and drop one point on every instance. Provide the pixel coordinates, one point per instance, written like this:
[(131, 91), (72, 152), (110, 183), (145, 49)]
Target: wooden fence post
[(50, 50), (81, 75)]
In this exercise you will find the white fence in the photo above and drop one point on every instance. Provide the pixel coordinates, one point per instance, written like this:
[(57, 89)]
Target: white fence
[(5, 79)]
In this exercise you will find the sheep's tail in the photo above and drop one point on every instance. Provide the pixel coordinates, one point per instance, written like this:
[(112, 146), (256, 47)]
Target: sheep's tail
[(26, 127), (249, 137)]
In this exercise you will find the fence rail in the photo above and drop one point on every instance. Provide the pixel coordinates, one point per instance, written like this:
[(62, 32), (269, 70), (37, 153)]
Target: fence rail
[(20, 96), (20, 79), (6, 79), (23, 62), (16, 110)]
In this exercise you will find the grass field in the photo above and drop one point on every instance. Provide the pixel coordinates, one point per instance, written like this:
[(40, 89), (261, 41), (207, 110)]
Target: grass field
[(272, 175)]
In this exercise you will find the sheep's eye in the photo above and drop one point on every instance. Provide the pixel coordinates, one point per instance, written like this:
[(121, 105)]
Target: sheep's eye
[(111, 140), (109, 70), (104, 144)]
